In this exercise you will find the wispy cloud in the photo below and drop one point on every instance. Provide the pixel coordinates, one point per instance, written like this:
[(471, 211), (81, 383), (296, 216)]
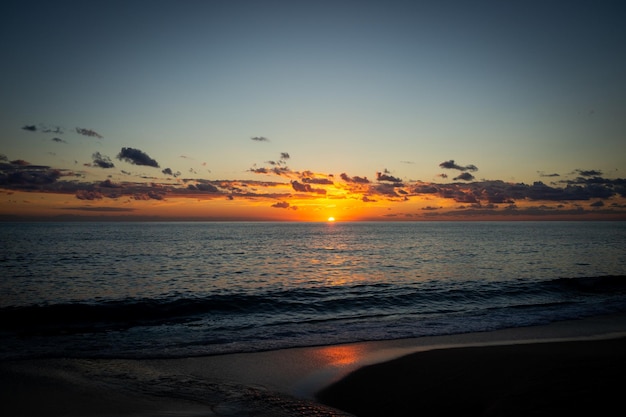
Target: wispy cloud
[(544, 175), (88, 132), (260, 139), (30, 128), (43, 128), (588, 172)]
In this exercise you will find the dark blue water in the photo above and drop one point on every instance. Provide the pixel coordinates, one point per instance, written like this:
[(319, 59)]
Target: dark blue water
[(179, 289)]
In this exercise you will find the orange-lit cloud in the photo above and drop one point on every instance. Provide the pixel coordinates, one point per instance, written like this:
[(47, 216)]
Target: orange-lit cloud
[(28, 190)]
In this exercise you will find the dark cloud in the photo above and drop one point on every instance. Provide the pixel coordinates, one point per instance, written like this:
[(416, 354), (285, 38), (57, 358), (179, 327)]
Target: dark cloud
[(88, 132), (168, 171), (102, 161), (452, 165), (109, 184), (384, 176), (260, 139), (20, 162), (306, 188), (89, 195), (58, 140), (466, 176), (282, 204), (588, 172), (388, 190), (209, 188), (356, 179), (319, 181), (425, 189), (543, 174), (284, 155), (136, 157), (150, 195), (261, 170), (20, 174), (43, 128)]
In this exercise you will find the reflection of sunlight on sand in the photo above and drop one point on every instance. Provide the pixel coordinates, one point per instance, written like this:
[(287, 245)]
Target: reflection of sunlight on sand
[(340, 355)]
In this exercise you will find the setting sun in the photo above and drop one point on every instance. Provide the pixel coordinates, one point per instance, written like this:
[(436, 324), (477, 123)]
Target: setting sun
[(331, 219)]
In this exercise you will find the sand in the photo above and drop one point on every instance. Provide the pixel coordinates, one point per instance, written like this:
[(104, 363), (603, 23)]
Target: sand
[(551, 379), (521, 371)]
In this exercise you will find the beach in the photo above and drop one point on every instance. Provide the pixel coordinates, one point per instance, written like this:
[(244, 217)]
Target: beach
[(549, 369)]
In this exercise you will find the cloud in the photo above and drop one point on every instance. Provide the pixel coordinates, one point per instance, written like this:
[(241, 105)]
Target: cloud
[(58, 140), (588, 172), (168, 171), (43, 128), (261, 170), (452, 165), (102, 161), (19, 174), (466, 176), (136, 157), (20, 162), (282, 204), (89, 195), (88, 132), (425, 189), (543, 174), (284, 155), (355, 179), (319, 181), (260, 139), (109, 184), (384, 176), (150, 195), (306, 188), (55, 129)]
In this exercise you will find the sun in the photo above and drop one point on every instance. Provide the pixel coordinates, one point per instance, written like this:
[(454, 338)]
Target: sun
[(331, 219)]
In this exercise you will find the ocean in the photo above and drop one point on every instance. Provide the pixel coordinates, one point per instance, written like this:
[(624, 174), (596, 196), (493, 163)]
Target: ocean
[(174, 289)]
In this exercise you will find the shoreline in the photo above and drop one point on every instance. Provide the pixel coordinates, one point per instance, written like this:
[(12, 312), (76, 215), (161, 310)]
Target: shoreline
[(256, 384)]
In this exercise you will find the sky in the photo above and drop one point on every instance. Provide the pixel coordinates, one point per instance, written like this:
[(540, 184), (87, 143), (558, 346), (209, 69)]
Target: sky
[(305, 110)]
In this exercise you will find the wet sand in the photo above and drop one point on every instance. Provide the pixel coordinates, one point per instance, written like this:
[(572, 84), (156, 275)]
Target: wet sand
[(478, 372)]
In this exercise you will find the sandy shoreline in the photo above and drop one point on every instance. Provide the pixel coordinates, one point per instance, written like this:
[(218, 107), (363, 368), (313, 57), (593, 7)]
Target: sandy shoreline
[(284, 382)]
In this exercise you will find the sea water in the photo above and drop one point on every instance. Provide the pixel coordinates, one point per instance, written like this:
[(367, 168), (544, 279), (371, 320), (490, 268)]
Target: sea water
[(173, 289)]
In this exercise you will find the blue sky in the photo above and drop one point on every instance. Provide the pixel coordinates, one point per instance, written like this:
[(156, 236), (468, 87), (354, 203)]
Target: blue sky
[(519, 89)]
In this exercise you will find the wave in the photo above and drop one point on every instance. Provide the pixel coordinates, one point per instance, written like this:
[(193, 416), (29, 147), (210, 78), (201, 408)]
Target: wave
[(306, 304)]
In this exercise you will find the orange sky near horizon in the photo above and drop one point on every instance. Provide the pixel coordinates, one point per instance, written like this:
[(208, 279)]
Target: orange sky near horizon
[(300, 111), (284, 204)]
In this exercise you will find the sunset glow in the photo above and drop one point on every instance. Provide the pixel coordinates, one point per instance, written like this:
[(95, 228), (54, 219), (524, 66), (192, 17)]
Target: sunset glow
[(368, 113)]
